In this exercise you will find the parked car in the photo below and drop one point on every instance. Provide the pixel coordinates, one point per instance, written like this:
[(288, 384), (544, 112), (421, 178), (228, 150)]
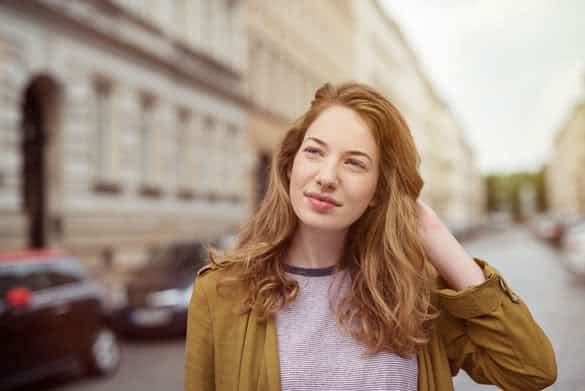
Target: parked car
[(227, 241), (52, 319), (553, 228), (545, 227), (573, 246), (157, 294)]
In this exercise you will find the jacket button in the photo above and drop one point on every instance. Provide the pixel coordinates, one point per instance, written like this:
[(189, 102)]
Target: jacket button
[(513, 296)]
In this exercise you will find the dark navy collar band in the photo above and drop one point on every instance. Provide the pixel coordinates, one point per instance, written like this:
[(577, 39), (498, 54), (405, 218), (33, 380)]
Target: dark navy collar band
[(310, 272)]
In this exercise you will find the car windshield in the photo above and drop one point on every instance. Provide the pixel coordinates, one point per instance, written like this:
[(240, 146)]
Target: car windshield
[(180, 256), (38, 275)]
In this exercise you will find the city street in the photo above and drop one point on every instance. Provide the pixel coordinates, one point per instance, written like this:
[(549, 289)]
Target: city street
[(135, 133), (557, 300), (531, 268)]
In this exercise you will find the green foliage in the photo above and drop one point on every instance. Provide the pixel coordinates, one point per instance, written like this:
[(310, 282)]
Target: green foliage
[(504, 191)]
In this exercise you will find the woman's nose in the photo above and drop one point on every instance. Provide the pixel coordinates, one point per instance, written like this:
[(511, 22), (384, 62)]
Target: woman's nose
[(327, 176)]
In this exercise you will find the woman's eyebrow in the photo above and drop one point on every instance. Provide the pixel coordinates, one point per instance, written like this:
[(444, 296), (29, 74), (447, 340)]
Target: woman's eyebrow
[(315, 139), (351, 152)]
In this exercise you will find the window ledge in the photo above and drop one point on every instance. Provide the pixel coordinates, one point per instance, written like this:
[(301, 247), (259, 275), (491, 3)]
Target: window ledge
[(151, 191), (106, 186), (186, 194), (235, 198)]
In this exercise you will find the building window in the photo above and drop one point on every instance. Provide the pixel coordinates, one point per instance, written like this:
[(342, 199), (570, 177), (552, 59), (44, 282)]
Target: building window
[(105, 140), (149, 151), (182, 147), (208, 158), (103, 129), (147, 136), (233, 170)]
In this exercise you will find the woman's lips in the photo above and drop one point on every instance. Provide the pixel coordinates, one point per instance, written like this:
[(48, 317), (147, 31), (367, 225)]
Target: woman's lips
[(319, 204)]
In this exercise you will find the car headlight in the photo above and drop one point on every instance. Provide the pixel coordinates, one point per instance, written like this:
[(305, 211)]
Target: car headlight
[(170, 297), (187, 294)]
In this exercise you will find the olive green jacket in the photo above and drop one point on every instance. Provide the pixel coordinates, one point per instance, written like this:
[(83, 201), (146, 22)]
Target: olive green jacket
[(486, 330)]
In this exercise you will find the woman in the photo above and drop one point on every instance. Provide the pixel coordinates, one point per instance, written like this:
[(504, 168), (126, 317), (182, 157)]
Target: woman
[(342, 280)]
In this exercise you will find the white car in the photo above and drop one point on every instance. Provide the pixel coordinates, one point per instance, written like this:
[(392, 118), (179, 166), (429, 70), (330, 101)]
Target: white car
[(574, 248)]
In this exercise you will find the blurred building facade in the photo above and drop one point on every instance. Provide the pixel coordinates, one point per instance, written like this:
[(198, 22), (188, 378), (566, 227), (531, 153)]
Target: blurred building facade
[(565, 175), (294, 47), (128, 124), (385, 60), (456, 188), (122, 124)]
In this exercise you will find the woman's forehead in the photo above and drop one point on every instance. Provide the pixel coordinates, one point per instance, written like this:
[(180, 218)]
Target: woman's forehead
[(342, 128)]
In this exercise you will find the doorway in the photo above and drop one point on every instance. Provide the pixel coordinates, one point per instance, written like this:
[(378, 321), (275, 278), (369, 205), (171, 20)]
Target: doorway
[(262, 176), (38, 114)]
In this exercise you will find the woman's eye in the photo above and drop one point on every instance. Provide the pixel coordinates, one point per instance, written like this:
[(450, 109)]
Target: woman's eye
[(312, 151), (356, 163)]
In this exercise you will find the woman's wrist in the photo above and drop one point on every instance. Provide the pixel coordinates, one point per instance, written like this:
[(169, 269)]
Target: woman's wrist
[(446, 254)]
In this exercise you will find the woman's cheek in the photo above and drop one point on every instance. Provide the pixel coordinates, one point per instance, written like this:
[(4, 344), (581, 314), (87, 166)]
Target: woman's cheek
[(364, 192)]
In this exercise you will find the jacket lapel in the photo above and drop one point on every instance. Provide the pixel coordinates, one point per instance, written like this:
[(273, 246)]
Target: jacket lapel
[(271, 356), (259, 368)]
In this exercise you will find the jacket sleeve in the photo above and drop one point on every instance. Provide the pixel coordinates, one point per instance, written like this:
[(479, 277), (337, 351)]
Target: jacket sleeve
[(489, 332), (199, 362)]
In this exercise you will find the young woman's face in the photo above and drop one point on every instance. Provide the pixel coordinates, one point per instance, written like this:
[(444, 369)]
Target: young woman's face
[(335, 171)]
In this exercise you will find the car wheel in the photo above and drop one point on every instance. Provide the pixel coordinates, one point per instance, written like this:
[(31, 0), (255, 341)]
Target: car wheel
[(103, 358)]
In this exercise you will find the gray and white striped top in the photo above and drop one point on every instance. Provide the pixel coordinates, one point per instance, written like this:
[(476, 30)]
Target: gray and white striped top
[(316, 355)]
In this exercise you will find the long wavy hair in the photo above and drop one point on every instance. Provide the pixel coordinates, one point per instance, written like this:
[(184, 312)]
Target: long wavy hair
[(388, 306)]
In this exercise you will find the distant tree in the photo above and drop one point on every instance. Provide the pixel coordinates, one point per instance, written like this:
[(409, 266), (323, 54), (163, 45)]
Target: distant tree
[(491, 186), (504, 192), (497, 197), (541, 189)]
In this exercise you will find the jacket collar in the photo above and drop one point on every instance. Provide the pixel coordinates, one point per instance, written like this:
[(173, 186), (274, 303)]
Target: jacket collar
[(271, 355)]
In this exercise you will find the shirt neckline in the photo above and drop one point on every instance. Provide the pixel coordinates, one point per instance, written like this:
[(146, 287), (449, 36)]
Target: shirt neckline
[(310, 271)]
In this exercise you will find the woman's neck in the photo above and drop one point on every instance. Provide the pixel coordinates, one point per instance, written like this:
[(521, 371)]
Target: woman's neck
[(312, 248)]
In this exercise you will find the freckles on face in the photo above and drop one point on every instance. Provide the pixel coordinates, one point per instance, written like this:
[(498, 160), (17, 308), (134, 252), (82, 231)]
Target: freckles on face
[(335, 171)]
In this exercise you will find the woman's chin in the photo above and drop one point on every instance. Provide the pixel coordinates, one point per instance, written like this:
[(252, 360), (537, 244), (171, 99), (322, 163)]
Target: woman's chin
[(325, 223)]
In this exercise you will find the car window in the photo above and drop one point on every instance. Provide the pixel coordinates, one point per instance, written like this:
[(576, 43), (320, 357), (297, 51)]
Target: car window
[(192, 255), (180, 256), (34, 276), (37, 276), (66, 272)]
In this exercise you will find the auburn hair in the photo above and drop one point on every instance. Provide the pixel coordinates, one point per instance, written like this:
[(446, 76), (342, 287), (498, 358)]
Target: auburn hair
[(388, 306)]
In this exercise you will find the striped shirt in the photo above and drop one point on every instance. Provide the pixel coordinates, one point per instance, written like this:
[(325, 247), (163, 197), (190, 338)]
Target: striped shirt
[(316, 355)]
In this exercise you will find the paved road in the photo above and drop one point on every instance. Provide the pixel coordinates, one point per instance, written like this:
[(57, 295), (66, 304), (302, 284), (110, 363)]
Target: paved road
[(531, 268), (555, 297)]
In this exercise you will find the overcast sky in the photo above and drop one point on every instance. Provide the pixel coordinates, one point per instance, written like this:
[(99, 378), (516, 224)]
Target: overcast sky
[(510, 70)]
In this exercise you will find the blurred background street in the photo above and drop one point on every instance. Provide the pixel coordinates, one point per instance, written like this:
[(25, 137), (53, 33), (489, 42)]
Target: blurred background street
[(535, 271), (135, 133)]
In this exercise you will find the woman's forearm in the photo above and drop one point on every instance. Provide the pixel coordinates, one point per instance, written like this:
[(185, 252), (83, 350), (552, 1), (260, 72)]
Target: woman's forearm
[(450, 259)]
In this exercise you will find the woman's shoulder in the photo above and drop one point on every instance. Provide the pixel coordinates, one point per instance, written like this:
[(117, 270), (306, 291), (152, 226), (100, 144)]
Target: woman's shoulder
[(206, 269), (209, 275), (208, 279)]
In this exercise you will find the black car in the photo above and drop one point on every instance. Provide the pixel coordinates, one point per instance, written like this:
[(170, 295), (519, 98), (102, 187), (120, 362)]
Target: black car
[(52, 319), (157, 295)]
